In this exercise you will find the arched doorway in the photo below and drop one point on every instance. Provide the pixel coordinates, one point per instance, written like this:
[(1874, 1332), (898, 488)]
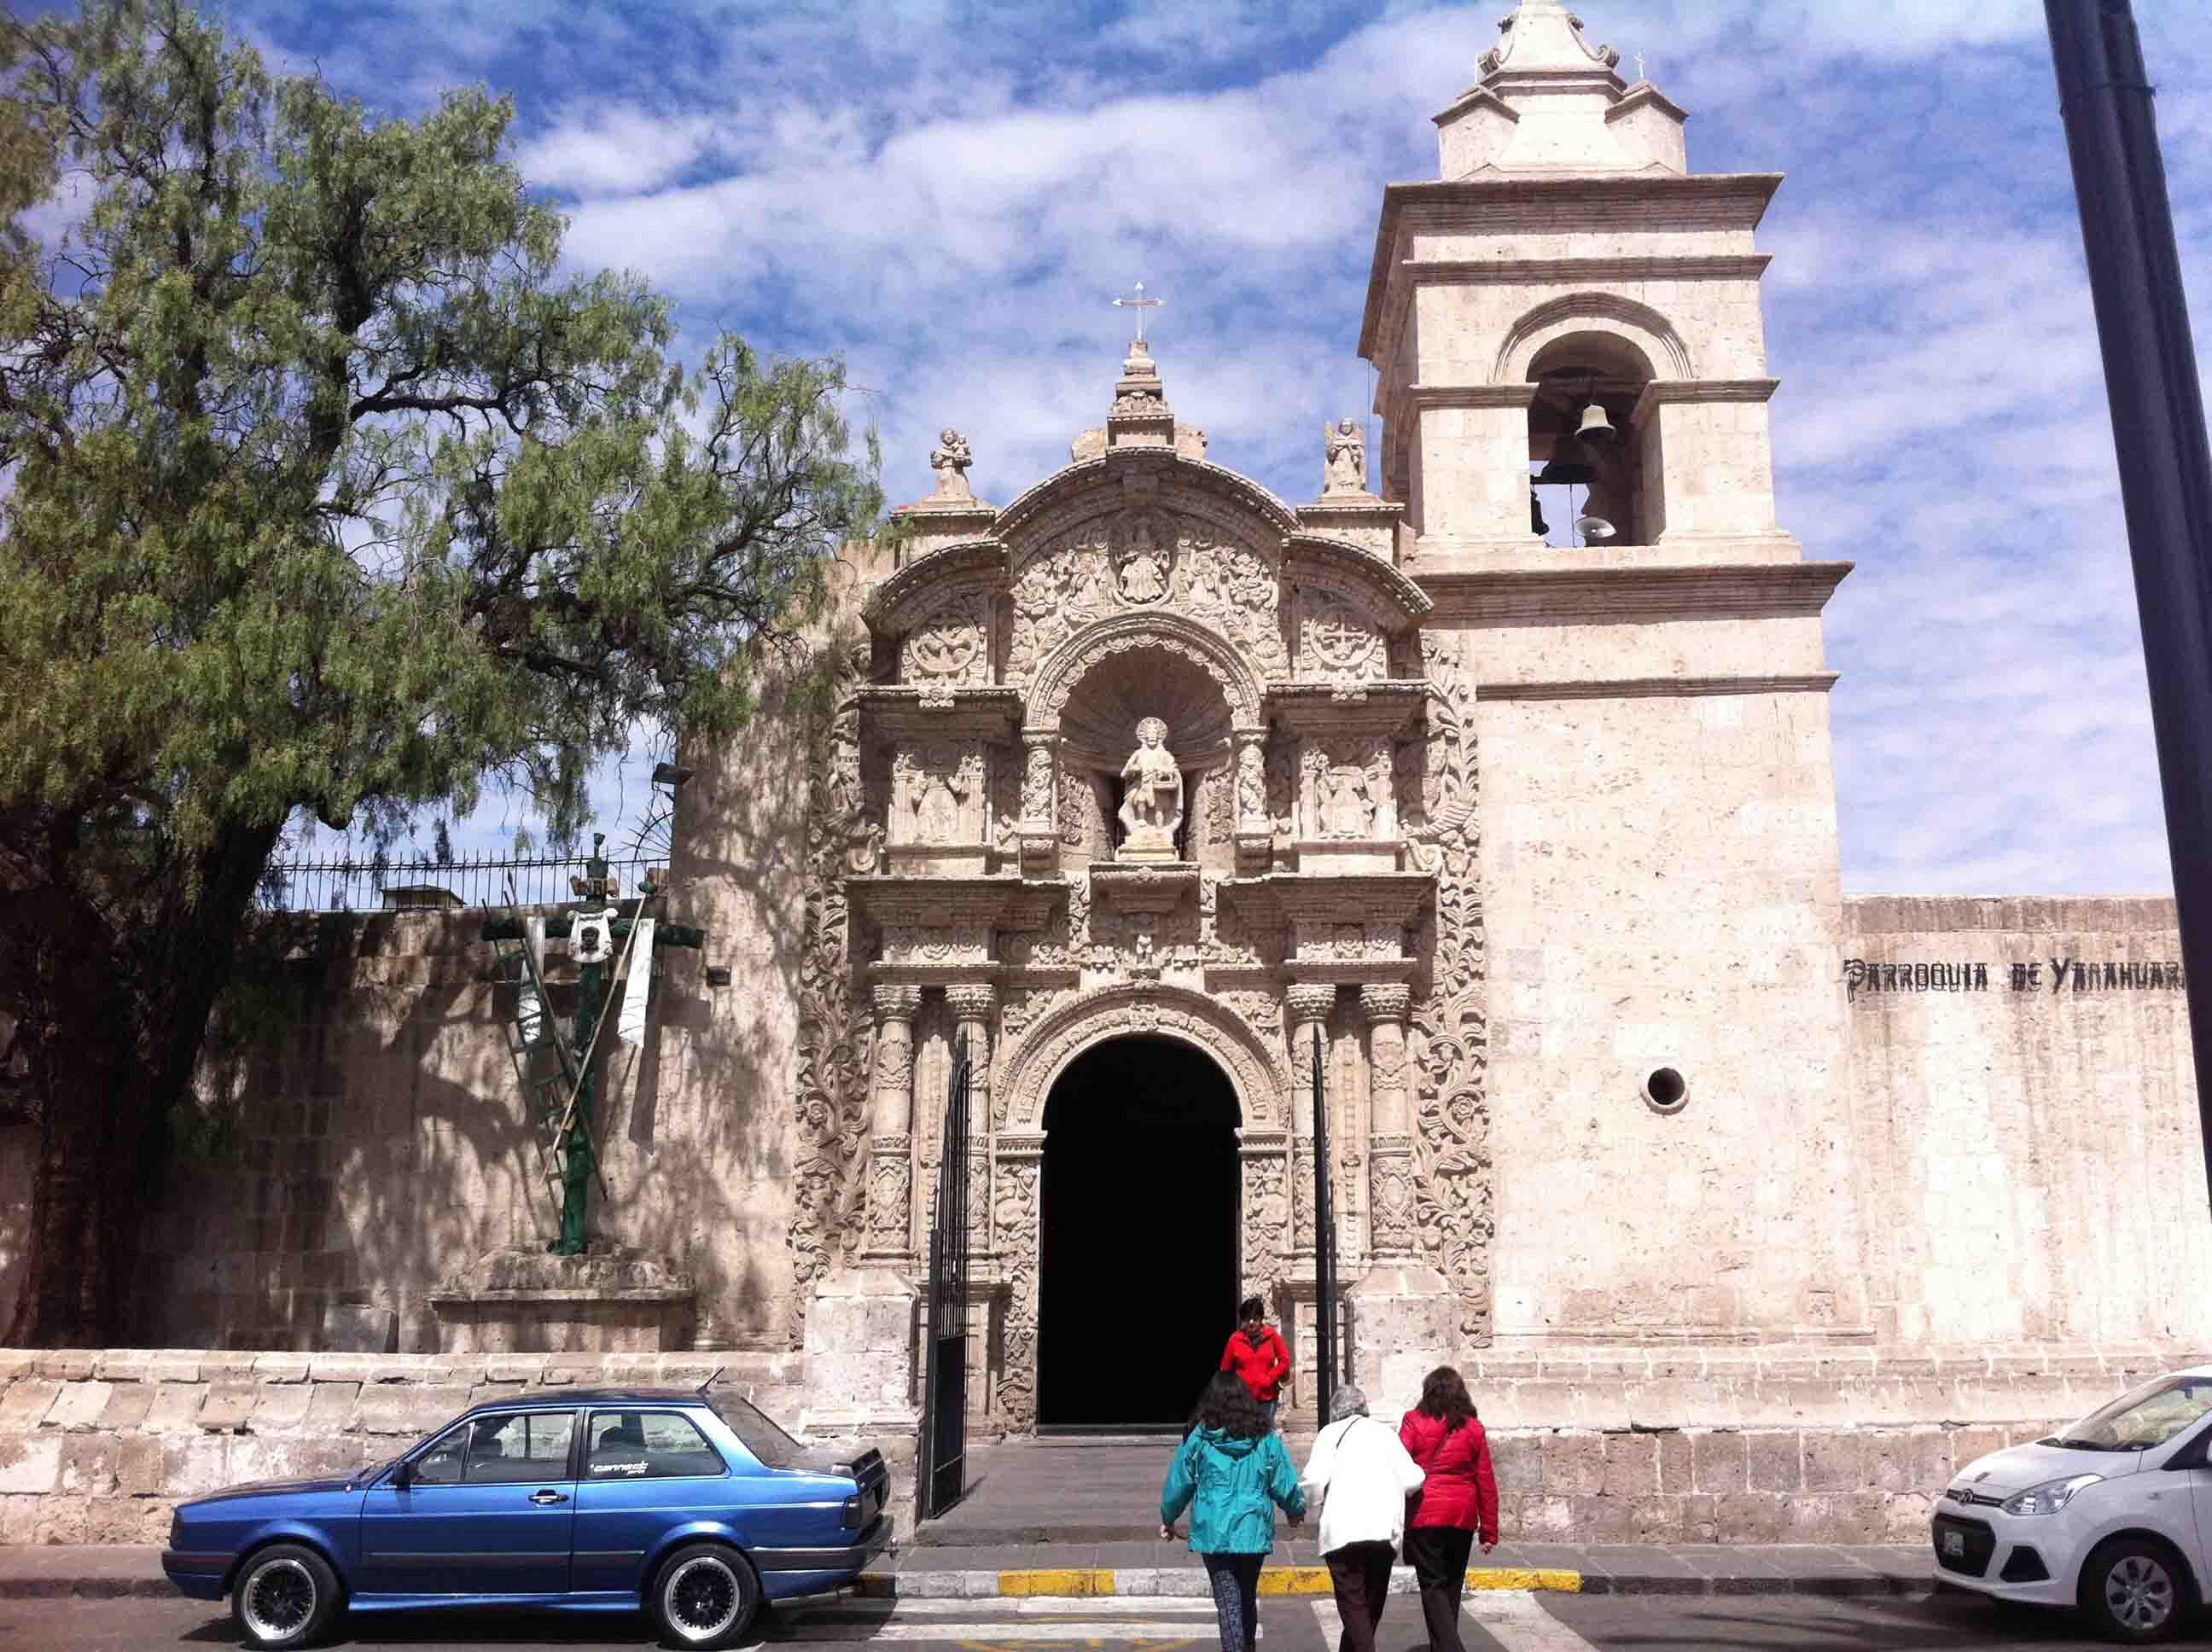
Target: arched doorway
[(1137, 1257)]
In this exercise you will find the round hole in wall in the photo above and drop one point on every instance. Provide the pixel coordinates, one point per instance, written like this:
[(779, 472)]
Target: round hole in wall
[(1666, 1090)]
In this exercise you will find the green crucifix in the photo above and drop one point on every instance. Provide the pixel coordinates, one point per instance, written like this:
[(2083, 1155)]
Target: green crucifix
[(602, 931)]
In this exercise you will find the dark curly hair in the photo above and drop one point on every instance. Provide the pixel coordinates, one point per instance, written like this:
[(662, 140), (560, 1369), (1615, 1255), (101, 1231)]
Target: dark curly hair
[(1443, 1393), (1227, 1405)]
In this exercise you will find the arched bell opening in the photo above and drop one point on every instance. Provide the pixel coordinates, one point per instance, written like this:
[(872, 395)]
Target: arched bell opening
[(1588, 467), (1140, 1207), (1098, 732)]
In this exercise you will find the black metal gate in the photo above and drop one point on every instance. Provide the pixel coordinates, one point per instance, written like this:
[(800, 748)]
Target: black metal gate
[(941, 1458), (1325, 1349)]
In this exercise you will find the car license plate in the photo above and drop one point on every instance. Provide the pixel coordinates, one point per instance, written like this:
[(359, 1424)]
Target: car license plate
[(1954, 1543)]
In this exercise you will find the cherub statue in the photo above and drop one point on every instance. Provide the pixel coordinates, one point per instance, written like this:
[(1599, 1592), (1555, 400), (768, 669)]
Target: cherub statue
[(1151, 804)]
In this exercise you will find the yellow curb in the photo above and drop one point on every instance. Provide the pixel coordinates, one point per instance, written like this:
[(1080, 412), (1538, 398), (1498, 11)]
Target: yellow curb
[(1555, 1578), (1080, 1581), (1295, 1580)]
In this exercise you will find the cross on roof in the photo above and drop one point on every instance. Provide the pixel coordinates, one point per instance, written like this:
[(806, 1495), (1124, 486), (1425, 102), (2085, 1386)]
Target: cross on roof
[(1139, 304)]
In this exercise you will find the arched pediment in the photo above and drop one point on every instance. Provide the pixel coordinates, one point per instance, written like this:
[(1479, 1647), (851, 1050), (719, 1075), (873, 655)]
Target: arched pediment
[(923, 586), (1064, 670), (1095, 486), (1394, 601), (1639, 325), (1256, 1068)]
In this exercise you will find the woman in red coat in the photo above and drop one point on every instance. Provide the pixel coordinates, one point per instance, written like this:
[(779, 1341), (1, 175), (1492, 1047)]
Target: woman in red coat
[(1457, 1500)]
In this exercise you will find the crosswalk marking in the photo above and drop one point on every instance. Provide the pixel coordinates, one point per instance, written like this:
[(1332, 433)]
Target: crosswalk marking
[(976, 1627), (1507, 1620), (1033, 1606)]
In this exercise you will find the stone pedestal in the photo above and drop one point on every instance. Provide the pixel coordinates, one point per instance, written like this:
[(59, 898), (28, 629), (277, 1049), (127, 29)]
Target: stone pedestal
[(1405, 1323), (518, 1300), (859, 1355)]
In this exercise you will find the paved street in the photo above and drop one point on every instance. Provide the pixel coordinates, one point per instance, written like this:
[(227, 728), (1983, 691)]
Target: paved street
[(1497, 1622)]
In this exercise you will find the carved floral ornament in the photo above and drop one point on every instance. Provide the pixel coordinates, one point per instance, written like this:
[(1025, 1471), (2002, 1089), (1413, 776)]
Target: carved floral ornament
[(1054, 1039)]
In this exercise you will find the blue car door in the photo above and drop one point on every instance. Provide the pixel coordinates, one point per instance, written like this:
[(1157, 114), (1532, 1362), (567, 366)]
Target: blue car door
[(646, 1468), (488, 1510)]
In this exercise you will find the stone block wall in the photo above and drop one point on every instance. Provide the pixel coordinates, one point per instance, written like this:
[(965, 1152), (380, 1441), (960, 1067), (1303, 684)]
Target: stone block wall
[(1725, 1445), (1772, 1444), (97, 1446), (2033, 1167)]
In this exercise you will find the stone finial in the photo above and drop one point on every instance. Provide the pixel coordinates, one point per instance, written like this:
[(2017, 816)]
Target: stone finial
[(950, 459), (1345, 464), (1541, 35)]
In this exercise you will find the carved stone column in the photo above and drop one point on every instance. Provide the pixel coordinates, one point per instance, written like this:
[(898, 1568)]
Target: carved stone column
[(972, 1004), (1390, 1135), (1255, 830), (1040, 801), (890, 1135)]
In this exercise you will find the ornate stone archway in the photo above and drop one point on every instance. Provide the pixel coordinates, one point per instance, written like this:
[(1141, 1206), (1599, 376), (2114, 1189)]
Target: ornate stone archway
[(1257, 1072), (1171, 633)]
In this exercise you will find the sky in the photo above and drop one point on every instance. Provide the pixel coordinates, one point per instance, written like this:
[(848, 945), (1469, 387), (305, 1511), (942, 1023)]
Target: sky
[(949, 195)]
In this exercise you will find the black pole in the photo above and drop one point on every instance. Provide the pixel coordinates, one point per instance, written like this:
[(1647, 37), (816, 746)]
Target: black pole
[(2158, 427), (1324, 1253)]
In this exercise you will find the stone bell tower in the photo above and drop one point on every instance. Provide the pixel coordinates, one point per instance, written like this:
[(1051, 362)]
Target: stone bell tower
[(1667, 1059)]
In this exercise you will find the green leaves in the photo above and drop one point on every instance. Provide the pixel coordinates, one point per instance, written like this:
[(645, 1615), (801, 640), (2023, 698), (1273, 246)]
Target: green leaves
[(329, 489)]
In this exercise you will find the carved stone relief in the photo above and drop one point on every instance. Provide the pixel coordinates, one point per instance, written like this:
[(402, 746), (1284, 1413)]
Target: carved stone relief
[(830, 1105), (950, 646), (1453, 1210), (1155, 561), (1014, 1221), (1345, 783), (1337, 643), (1267, 1221)]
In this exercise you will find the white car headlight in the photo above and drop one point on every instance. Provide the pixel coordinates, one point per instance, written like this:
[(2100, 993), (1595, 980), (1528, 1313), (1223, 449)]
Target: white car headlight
[(2048, 1497)]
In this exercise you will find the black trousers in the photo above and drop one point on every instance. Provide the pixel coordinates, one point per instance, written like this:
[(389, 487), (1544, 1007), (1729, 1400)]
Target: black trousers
[(1360, 1573), (1438, 1555)]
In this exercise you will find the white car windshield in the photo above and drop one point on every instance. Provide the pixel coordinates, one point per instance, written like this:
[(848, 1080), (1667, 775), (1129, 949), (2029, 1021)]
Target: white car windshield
[(2143, 1417)]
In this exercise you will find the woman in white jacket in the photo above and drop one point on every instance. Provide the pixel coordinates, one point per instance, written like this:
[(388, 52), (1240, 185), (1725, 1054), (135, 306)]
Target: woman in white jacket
[(1365, 1475)]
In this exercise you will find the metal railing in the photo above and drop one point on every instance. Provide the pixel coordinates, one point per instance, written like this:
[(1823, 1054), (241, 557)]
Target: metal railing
[(380, 882)]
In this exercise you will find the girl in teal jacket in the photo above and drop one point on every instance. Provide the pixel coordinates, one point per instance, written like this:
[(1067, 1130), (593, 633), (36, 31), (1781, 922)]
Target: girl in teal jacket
[(1231, 1471)]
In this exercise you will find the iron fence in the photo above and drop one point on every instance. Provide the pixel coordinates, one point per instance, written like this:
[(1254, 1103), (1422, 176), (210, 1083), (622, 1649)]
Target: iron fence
[(380, 882)]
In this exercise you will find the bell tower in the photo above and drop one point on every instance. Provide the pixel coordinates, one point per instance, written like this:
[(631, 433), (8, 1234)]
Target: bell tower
[(1572, 375)]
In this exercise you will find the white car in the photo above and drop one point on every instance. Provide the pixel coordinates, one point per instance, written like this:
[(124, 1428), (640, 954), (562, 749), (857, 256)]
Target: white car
[(2112, 1514)]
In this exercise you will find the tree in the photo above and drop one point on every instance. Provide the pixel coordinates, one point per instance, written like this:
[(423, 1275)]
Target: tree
[(325, 490)]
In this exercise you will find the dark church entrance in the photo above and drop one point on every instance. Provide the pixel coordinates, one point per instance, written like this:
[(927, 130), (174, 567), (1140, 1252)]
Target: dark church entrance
[(1137, 1272)]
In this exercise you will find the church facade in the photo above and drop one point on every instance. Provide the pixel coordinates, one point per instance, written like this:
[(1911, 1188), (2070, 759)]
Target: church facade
[(1163, 803)]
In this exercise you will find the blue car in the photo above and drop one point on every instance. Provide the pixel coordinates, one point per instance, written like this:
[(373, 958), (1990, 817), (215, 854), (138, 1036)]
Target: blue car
[(694, 1509)]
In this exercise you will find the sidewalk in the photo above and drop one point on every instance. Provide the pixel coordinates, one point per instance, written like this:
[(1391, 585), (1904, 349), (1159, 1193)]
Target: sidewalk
[(1126, 1567)]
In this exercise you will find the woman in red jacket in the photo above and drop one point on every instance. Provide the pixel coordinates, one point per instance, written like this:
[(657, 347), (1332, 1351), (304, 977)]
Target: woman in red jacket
[(1257, 1353), (1457, 1500)]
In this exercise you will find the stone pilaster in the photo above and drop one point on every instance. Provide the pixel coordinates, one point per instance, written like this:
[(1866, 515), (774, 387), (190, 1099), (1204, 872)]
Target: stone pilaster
[(890, 1135), (1390, 1129), (974, 1005), (1405, 1315)]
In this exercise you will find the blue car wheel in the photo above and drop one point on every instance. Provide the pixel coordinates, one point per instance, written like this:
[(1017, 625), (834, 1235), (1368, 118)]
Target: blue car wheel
[(285, 1596), (705, 1596)]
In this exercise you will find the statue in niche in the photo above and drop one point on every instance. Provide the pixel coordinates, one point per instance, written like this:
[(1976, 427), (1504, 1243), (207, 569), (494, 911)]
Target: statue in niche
[(1345, 469), (937, 812), (1151, 804), (1251, 783), (1348, 809), (1143, 568)]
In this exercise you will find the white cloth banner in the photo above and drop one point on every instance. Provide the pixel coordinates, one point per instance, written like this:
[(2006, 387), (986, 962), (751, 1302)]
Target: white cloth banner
[(529, 1009), (631, 1028)]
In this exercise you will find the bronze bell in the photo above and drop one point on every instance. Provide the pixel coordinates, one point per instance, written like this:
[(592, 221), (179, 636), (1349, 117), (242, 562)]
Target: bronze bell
[(1566, 473), (1537, 526), (1595, 427)]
